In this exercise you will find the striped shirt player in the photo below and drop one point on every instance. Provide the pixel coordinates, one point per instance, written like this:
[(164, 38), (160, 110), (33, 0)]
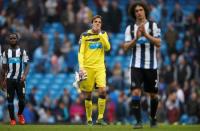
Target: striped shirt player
[(15, 59), (143, 37), (144, 53), (15, 70), (143, 60)]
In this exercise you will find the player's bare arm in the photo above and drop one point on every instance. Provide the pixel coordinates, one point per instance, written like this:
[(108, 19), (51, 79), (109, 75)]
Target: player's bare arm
[(3, 75), (27, 67), (132, 43)]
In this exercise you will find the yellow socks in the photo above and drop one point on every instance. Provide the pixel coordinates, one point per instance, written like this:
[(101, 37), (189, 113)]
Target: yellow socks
[(101, 107), (88, 108)]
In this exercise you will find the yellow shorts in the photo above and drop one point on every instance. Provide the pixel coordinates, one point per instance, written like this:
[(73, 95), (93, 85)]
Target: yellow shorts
[(94, 76)]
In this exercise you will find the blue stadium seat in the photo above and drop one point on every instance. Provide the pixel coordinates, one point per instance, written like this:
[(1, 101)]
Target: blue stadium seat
[(58, 27), (70, 80), (72, 38), (49, 76), (39, 96), (181, 35), (34, 81), (51, 41), (52, 94), (163, 48), (73, 93), (119, 59), (114, 45), (120, 36), (52, 30), (28, 88), (126, 62), (76, 48), (167, 60), (55, 87), (58, 81), (37, 76), (67, 86), (114, 96), (62, 37), (179, 45), (46, 28), (127, 91), (116, 41), (45, 81), (71, 75), (61, 76), (43, 87), (110, 62)]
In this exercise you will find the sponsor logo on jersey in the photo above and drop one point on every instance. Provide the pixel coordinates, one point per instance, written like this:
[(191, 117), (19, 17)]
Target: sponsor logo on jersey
[(95, 45)]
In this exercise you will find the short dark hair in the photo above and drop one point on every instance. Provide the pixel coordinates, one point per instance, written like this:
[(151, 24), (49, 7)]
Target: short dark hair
[(12, 33), (96, 16), (132, 9)]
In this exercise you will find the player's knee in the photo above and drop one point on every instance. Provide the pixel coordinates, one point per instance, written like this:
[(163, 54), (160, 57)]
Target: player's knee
[(136, 92), (11, 103), (102, 93), (21, 102), (88, 96), (102, 96), (153, 96), (10, 100)]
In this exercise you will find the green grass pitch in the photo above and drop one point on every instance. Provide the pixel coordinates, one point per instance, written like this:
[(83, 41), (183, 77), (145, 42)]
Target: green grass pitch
[(97, 128)]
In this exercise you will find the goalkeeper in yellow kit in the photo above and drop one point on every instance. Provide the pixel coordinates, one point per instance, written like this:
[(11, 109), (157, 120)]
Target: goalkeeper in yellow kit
[(93, 44)]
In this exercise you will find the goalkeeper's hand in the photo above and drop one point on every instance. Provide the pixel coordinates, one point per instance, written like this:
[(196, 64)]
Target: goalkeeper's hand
[(82, 75), (79, 76)]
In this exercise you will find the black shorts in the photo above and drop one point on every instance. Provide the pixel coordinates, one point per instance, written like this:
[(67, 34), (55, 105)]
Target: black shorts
[(15, 86), (146, 78)]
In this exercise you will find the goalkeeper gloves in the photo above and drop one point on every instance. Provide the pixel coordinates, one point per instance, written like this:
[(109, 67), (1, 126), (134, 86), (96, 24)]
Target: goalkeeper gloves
[(79, 76)]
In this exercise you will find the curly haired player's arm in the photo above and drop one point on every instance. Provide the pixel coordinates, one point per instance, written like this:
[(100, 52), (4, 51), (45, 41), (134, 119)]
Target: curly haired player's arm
[(155, 40), (132, 42), (129, 40), (81, 53), (129, 44), (104, 39)]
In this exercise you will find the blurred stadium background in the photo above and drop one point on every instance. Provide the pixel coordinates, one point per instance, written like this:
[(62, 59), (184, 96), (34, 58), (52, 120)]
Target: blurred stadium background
[(50, 30)]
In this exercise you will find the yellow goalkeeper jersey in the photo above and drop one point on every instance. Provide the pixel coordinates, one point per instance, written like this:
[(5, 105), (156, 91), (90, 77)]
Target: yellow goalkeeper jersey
[(92, 49)]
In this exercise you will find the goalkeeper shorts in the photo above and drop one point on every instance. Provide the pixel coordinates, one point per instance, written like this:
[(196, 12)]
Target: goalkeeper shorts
[(95, 77)]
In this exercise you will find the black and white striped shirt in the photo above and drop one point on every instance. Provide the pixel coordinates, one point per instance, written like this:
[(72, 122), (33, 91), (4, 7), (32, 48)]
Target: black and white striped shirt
[(15, 59), (144, 53)]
